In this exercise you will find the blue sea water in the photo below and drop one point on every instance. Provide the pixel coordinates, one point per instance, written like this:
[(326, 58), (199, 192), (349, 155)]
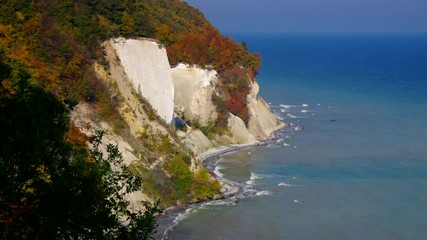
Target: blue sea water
[(357, 170)]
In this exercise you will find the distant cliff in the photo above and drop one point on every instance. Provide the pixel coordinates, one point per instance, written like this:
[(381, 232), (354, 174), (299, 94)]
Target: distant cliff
[(195, 89), (185, 93)]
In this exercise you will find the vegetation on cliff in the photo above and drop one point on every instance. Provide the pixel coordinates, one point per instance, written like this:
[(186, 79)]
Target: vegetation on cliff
[(56, 41), (52, 186), (47, 51)]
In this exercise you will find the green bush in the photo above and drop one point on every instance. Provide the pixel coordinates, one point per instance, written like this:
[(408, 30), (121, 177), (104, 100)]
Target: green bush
[(190, 186), (204, 187), (50, 188)]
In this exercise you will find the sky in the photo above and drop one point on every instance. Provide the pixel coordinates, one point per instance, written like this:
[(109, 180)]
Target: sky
[(313, 16)]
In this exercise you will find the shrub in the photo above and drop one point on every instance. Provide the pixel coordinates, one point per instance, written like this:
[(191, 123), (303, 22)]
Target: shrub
[(52, 189), (204, 187)]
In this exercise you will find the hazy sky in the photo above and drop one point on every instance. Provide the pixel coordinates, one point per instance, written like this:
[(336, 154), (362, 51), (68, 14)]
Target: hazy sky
[(315, 15)]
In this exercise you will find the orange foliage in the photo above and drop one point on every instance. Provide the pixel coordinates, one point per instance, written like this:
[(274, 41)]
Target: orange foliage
[(237, 105), (76, 137), (212, 49), (236, 82)]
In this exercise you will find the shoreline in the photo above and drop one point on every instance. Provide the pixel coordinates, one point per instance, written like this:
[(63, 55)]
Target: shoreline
[(167, 221)]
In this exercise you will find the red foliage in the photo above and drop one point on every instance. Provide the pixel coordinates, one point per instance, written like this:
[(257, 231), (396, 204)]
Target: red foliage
[(237, 105), (236, 83), (210, 48)]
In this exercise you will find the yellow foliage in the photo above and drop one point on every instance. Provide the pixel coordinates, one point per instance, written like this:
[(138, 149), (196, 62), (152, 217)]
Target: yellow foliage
[(7, 88), (5, 35), (44, 174)]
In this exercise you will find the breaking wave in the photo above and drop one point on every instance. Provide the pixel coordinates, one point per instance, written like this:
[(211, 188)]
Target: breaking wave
[(293, 116), (227, 202), (217, 172), (264, 193), (287, 106), (184, 215), (282, 184)]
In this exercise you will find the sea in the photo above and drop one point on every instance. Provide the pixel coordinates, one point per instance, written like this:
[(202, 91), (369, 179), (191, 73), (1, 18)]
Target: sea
[(354, 163)]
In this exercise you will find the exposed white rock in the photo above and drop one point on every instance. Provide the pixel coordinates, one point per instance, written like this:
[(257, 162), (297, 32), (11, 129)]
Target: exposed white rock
[(147, 67), (262, 122), (193, 92), (197, 142), (135, 199), (81, 117), (239, 131)]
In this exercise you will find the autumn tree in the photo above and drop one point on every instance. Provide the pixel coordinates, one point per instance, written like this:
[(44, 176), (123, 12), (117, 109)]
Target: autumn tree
[(50, 188)]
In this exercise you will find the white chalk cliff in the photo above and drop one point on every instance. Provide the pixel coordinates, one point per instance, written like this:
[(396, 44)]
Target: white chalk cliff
[(147, 67), (262, 120), (194, 87), (193, 95), (185, 90)]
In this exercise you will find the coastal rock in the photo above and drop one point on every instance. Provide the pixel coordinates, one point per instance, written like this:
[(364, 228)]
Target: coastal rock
[(193, 93), (239, 131), (197, 142), (262, 122), (147, 67)]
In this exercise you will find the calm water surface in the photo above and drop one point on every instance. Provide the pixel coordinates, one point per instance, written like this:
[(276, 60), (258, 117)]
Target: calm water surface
[(358, 169)]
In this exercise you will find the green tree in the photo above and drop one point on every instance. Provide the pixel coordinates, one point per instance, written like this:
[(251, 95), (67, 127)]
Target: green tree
[(128, 25), (51, 189)]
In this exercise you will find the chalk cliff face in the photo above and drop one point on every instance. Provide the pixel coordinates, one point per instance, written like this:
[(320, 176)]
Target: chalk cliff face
[(262, 121), (239, 131), (147, 67), (193, 95), (138, 67), (194, 88), (184, 90)]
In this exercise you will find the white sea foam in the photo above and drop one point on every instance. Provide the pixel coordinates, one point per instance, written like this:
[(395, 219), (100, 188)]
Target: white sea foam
[(217, 172), (304, 105), (255, 176), (264, 193), (286, 145), (304, 111), (226, 202), (297, 201), (184, 215), (258, 176), (252, 179), (298, 128), (284, 184), (283, 110), (293, 116), (288, 106)]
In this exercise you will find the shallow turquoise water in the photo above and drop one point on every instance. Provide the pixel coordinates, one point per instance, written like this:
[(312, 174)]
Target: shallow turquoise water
[(358, 170)]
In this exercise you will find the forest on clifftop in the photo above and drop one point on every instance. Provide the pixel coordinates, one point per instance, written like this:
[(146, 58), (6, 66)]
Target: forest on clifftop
[(47, 52)]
